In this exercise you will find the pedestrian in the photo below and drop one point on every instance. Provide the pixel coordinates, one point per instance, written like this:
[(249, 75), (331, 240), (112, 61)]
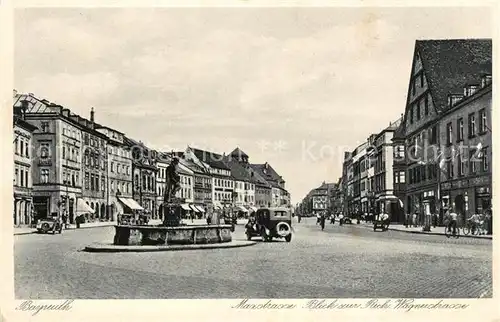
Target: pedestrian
[(341, 219), (414, 219)]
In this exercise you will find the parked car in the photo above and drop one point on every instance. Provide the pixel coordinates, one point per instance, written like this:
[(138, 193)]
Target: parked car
[(47, 225), (270, 223)]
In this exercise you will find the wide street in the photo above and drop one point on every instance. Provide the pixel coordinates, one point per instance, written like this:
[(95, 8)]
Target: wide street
[(340, 262)]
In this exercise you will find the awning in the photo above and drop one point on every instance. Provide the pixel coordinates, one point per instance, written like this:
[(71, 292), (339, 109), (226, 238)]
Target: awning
[(193, 207), (243, 209), (185, 206), (131, 203), (82, 207), (200, 208)]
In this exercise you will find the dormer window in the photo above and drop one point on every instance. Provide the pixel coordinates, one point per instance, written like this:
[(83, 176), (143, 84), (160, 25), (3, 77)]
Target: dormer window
[(470, 90), (453, 99), (486, 80)]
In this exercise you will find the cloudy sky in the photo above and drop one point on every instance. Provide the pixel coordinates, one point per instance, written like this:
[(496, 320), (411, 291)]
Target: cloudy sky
[(292, 86)]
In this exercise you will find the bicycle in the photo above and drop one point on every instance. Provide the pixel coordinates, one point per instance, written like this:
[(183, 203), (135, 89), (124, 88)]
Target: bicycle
[(448, 231)]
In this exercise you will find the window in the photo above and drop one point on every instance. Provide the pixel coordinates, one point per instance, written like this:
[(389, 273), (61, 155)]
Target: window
[(45, 127), (482, 121), (411, 114), (460, 129), (92, 182), (461, 170), (426, 105), (421, 80), (449, 133), (484, 157), (64, 152), (26, 178), (472, 125), (112, 167), (472, 161), (433, 135), (449, 166), (402, 177), (44, 175), (21, 177), (21, 147), (16, 176), (103, 183), (77, 179), (413, 85), (418, 110), (87, 177)]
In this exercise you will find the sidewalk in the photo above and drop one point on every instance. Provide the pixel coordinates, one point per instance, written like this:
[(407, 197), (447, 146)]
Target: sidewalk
[(27, 230), (434, 231)]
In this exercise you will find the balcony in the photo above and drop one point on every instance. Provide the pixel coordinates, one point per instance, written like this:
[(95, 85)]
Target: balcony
[(45, 162)]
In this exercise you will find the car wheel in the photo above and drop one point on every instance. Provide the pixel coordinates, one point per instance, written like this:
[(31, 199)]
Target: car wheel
[(288, 238), (45, 227)]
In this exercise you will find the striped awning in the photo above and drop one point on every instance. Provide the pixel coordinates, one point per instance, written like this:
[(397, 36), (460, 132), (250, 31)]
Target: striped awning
[(194, 208), (131, 203), (200, 208), (185, 206)]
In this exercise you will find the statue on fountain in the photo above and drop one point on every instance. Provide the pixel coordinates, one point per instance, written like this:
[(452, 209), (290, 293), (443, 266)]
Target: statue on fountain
[(171, 205)]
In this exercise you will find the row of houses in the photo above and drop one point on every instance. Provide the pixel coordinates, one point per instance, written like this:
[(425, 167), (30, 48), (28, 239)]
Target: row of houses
[(437, 155), (65, 164), (325, 197)]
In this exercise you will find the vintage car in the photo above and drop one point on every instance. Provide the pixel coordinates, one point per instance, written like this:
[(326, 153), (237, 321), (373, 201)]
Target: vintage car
[(382, 222), (270, 223), (47, 225)]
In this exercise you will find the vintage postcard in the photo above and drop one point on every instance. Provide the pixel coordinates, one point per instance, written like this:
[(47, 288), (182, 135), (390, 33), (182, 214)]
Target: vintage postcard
[(247, 161)]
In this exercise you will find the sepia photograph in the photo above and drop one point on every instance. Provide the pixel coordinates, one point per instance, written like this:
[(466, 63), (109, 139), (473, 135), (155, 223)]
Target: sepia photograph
[(252, 153)]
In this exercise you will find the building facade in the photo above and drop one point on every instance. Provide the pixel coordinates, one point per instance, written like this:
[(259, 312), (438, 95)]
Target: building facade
[(466, 179), (144, 172), (433, 87), (57, 157), (23, 181)]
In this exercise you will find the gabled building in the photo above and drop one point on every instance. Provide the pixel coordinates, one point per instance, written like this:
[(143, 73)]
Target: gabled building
[(279, 194), (440, 70), (244, 182), (144, 171), (222, 182)]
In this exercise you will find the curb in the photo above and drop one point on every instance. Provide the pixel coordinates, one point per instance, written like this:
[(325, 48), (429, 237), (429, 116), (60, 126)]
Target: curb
[(107, 248), (438, 234), (35, 231), (431, 233)]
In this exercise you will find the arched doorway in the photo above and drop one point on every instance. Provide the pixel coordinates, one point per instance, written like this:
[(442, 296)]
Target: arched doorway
[(113, 212), (103, 211), (92, 206), (97, 211), (460, 206), (160, 211)]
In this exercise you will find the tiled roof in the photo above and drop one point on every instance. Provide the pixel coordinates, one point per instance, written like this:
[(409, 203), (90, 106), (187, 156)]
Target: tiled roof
[(214, 160), (268, 173), (449, 65), (258, 178), (237, 171), (193, 166), (238, 153)]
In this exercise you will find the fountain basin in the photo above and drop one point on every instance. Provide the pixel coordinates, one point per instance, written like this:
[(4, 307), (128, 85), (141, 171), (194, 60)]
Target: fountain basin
[(129, 235)]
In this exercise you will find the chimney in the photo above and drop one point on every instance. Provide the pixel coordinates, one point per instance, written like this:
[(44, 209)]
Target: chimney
[(92, 114)]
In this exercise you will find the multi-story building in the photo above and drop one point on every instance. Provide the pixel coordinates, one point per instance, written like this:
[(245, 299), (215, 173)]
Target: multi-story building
[(94, 169), (347, 176), (23, 181), (320, 198), (359, 177), (202, 185), (245, 181), (262, 190), (222, 182), (57, 162), (399, 171), (143, 176), (386, 201), (466, 136), (433, 85), (279, 195), (119, 192), (162, 162)]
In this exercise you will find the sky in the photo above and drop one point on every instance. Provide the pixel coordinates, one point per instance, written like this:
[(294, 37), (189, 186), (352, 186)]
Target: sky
[(295, 87)]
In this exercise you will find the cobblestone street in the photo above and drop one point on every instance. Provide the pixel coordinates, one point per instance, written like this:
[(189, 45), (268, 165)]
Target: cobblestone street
[(340, 262)]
